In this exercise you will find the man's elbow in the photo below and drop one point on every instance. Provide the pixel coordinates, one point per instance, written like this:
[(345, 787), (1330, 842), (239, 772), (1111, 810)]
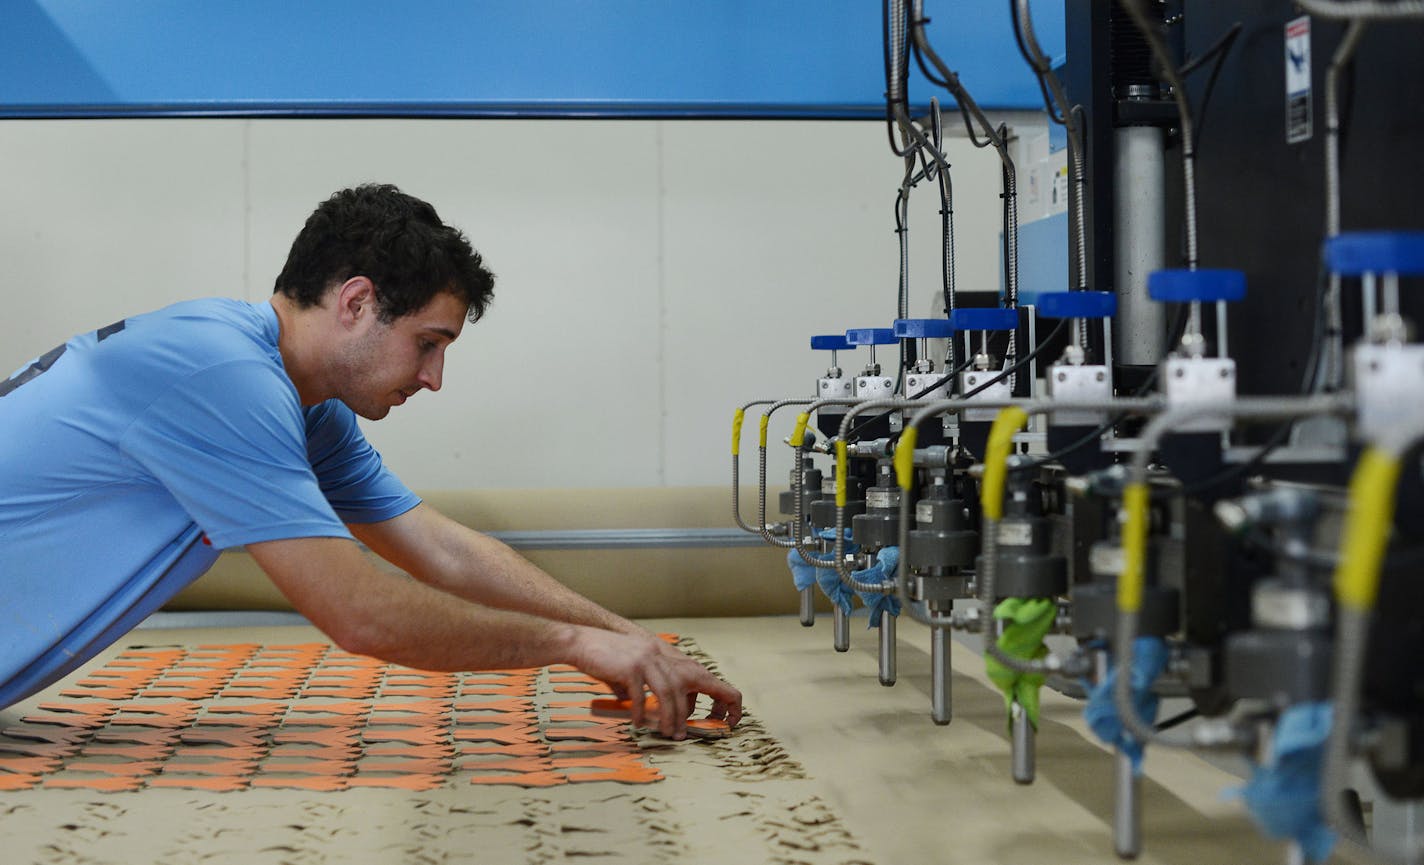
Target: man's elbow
[(360, 635)]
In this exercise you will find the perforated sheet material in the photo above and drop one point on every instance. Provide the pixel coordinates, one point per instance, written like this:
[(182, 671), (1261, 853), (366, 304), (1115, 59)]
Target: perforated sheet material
[(830, 768), (299, 752), (311, 717)]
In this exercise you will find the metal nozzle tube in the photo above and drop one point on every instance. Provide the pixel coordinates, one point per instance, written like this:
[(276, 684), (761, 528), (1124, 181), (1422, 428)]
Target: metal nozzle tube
[(1023, 747), (887, 649), (808, 607), (1127, 809), (841, 622), (940, 711)]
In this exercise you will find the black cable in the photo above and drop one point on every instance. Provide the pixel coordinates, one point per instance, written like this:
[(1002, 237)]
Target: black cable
[(1092, 435), (949, 376), (1221, 49), (1026, 359), (891, 103), (958, 103), (1038, 74), (1176, 720), (1220, 46), (1282, 433)]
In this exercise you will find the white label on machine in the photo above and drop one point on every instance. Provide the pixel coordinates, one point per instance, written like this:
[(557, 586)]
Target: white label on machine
[(1015, 534), (882, 498), (1298, 113), (924, 512)]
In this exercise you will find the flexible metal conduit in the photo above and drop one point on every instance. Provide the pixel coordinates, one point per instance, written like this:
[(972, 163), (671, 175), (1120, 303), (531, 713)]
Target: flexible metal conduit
[(761, 470), (1334, 350), (1363, 544), (1044, 67), (847, 578), (737, 419), (1368, 9), (1011, 278), (761, 487), (1135, 500), (797, 439)]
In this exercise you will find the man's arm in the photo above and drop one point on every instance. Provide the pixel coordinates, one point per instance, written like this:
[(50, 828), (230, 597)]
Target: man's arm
[(371, 612), (457, 559)]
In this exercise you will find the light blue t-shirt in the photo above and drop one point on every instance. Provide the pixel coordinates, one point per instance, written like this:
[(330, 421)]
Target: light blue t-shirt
[(130, 456)]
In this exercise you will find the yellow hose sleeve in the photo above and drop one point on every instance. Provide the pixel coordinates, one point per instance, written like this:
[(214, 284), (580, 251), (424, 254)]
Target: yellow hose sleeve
[(764, 422), (1135, 499), (841, 461), (996, 458), (799, 437), (905, 458), (737, 419), (1367, 525)]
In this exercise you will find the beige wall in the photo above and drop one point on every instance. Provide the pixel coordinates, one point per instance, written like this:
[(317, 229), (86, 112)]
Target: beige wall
[(652, 275)]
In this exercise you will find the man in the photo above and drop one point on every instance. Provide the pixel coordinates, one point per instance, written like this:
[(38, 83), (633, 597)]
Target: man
[(131, 455)]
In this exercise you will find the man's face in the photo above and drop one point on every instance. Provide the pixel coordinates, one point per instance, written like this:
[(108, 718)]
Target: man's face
[(385, 364)]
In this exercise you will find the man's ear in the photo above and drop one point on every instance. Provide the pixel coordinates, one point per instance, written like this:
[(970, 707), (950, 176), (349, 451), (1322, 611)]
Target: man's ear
[(356, 301)]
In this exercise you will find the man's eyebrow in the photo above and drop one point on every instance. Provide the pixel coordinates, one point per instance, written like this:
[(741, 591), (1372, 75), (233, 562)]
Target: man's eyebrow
[(443, 331)]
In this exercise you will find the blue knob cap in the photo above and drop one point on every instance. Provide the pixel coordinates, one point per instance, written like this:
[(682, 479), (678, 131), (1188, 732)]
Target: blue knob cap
[(1376, 252), (922, 328), (985, 318), (1077, 304), (871, 336), (830, 342), (1184, 286)]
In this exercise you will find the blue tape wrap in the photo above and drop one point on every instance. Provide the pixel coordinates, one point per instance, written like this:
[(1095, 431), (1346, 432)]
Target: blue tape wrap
[(1284, 794), (1149, 659), (883, 571), (805, 576)]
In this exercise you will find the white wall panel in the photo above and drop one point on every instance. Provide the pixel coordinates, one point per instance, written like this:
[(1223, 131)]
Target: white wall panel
[(556, 386), (102, 219), (652, 275)]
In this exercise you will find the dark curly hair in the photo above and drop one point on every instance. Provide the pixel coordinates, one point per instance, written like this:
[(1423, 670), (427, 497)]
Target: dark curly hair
[(396, 240)]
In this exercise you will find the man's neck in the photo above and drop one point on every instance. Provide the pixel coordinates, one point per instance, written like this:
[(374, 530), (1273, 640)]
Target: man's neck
[(295, 341)]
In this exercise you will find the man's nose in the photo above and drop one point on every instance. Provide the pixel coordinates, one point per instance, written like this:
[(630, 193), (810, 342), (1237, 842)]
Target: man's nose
[(433, 372)]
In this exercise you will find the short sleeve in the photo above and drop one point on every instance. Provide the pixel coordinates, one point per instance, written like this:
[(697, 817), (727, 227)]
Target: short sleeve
[(352, 476), (229, 443)]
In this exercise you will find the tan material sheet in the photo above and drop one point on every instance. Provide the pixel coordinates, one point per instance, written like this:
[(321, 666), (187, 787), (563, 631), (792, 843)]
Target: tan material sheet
[(831, 767)]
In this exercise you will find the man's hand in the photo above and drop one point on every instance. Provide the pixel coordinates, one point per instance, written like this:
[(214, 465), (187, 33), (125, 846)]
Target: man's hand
[(632, 664)]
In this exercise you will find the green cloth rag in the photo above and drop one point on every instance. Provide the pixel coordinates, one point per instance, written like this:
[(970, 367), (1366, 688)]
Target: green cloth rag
[(1027, 620)]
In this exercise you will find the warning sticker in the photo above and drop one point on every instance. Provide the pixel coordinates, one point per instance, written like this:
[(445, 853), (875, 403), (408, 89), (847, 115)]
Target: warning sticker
[(1299, 123)]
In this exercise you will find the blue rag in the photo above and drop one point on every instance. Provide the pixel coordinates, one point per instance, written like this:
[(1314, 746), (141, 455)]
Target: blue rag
[(883, 571), (1284, 794), (805, 576), (1149, 659)]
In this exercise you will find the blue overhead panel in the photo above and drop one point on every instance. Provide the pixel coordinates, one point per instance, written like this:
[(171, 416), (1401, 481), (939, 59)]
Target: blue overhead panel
[(467, 58)]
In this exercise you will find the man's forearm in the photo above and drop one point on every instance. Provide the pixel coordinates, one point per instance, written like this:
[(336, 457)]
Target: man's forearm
[(372, 612), (470, 565), (400, 620), (496, 575)]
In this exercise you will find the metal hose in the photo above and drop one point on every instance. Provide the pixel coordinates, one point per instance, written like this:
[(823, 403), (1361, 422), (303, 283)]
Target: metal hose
[(838, 561), (1334, 323), (736, 463), (809, 556), (1364, 9), (761, 480)]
